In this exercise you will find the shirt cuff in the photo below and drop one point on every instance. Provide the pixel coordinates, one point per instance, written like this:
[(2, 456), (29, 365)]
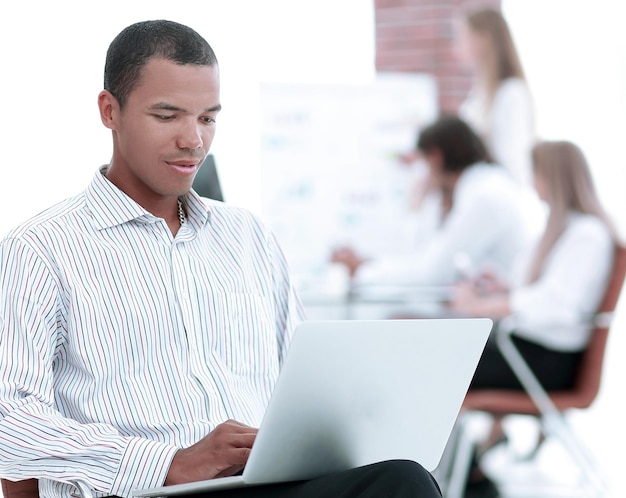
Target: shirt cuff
[(145, 464)]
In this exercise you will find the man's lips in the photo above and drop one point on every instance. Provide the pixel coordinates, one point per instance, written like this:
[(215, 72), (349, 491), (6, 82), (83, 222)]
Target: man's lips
[(184, 166), (190, 163)]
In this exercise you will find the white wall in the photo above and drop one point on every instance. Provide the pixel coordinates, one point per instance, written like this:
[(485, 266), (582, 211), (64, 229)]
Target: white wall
[(53, 54), (574, 54)]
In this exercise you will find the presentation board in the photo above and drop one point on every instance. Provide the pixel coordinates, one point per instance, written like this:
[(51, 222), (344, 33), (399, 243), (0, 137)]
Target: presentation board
[(330, 169)]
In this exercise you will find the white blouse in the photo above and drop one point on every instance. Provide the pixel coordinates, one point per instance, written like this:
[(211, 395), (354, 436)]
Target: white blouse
[(574, 278), (507, 127)]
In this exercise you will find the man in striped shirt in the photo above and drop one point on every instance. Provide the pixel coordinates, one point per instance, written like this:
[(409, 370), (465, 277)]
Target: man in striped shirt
[(142, 327)]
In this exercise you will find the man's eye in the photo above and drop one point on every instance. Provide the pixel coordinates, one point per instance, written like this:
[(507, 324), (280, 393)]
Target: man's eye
[(208, 120), (164, 117)]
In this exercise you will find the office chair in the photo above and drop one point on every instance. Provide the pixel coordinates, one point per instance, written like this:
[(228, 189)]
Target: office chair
[(28, 488), (548, 407)]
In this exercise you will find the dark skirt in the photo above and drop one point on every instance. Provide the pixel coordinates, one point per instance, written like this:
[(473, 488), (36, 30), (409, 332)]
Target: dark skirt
[(554, 369)]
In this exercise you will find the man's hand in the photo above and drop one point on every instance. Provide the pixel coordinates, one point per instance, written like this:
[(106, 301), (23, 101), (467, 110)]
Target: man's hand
[(223, 452)]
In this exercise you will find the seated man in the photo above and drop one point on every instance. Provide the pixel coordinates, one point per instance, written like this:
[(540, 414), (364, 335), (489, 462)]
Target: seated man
[(142, 327)]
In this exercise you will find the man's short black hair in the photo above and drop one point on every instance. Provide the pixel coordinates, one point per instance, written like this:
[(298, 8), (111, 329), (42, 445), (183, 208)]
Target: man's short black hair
[(137, 44)]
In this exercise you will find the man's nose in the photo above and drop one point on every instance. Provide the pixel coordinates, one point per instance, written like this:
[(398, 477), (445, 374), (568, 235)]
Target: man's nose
[(190, 136)]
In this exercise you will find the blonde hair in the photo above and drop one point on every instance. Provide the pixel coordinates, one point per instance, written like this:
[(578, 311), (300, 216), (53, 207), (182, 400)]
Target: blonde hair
[(501, 60), (566, 176)]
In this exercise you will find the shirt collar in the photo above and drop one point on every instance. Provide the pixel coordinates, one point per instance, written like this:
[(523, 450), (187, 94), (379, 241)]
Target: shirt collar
[(110, 206), (197, 208)]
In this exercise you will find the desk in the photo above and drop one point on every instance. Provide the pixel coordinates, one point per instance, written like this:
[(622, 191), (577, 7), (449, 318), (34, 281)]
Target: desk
[(376, 302)]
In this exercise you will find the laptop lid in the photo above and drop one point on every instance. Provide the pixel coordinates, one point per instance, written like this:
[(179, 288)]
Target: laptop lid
[(355, 392)]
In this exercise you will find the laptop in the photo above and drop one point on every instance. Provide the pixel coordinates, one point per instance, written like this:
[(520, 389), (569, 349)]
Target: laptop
[(355, 392)]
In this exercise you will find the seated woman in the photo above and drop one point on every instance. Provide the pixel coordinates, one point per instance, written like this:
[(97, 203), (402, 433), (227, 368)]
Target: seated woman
[(481, 210), (560, 284)]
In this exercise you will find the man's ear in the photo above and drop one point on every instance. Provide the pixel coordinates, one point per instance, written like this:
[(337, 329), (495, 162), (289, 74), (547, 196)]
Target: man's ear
[(109, 109)]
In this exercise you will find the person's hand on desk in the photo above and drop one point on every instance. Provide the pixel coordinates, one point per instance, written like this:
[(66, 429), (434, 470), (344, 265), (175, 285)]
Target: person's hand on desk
[(468, 300), (349, 258), (221, 453), (464, 298), (489, 282)]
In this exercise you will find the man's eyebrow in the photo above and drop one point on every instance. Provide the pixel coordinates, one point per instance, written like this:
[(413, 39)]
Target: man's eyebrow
[(164, 106), (215, 108)]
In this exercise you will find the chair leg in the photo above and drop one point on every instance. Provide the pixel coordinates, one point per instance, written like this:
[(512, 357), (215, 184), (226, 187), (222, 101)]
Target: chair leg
[(557, 426), (496, 436), (471, 429), (531, 454), (442, 472)]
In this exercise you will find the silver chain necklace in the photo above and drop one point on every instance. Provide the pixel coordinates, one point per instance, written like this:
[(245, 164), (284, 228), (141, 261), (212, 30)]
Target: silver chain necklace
[(181, 213)]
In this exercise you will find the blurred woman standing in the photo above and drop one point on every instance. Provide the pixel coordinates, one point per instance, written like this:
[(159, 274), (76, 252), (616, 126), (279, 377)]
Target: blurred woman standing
[(499, 106)]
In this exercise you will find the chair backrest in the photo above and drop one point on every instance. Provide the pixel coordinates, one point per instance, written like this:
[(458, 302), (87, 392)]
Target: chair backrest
[(589, 378), (28, 488), (588, 381)]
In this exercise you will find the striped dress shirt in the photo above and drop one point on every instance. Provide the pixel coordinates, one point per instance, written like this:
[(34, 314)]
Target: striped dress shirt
[(120, 344)]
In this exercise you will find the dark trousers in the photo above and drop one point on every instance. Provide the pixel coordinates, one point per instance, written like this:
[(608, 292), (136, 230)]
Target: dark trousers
[(394, 478), (554, 369)]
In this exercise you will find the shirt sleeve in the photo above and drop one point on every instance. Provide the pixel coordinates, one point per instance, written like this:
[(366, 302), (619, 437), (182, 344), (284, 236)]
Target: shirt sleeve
[(465, 234), (37, 440)]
